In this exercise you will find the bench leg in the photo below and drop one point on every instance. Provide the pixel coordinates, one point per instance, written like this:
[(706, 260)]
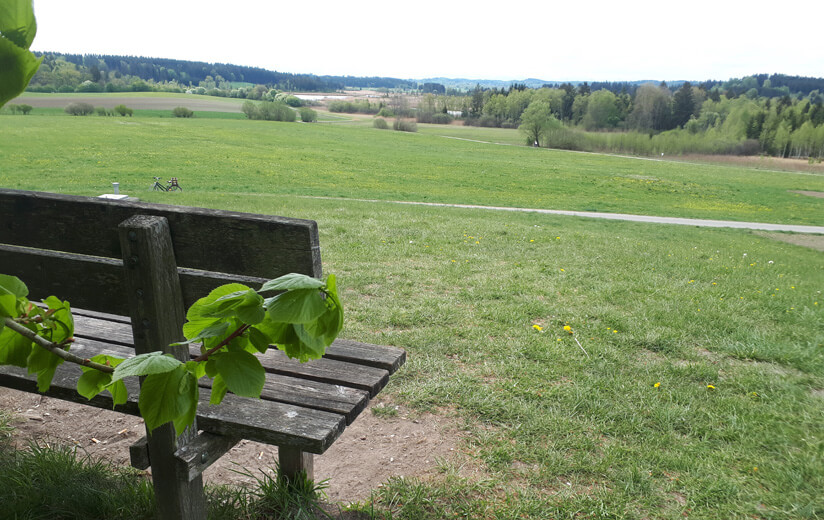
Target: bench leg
[(178, 498), (293, 461)]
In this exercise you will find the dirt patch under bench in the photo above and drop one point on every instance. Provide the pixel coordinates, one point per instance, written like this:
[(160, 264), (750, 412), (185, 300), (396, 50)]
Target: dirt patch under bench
[(370, 451)]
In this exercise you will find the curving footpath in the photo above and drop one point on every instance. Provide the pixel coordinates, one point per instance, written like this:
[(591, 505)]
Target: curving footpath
[(816, 230)]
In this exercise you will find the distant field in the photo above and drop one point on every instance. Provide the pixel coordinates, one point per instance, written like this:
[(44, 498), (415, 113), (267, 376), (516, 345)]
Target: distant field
[(84, 154), (134, 100)]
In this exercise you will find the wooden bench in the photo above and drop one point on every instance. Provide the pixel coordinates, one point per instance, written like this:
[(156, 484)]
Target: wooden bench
[(133, 269)]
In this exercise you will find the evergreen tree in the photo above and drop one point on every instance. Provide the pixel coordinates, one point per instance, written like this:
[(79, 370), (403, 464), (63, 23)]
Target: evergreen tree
[(683, 105)]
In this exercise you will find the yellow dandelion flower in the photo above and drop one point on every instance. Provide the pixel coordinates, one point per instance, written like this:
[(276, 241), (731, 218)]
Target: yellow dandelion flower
[(568, 328), (537, 327), (563, 270), (710, 387), (657, 385)]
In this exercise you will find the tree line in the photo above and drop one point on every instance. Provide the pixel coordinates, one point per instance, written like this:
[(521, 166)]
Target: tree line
[(109, 73), (655, 118)]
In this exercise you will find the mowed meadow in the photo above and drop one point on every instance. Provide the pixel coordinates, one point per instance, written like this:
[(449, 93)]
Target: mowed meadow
[(84, 155), (690, 380)]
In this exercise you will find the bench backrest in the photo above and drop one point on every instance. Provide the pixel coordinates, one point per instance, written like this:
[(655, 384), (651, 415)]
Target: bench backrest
[(69, 246)]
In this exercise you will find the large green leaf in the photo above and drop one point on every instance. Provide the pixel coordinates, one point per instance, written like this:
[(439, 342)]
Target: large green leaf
[(18, 66), (61, 320), (119, 392), (17, 22), (14, 348), (167, 396), (219, 390), (13, 285), (290, 282), (92, 382), (188, 393), (12, 289), (242, 372), (146, 364), (296, 306), (43, 363), (199, 316)]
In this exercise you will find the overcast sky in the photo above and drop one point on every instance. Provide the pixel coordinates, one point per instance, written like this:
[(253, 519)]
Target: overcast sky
[(596, 40)]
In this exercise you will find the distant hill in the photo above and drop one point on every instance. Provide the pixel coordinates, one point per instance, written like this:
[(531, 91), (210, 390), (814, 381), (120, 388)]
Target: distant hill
[(97, 72)]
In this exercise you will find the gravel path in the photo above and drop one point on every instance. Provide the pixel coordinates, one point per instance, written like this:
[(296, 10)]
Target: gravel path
[(818, 230)]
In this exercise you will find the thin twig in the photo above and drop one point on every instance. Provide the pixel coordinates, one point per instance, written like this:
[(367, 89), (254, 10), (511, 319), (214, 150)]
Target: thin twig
[(203, 357), (55, 348), (579, 344)]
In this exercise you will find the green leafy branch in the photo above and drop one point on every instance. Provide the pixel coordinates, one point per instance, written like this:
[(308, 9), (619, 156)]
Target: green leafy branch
[(232, 324)]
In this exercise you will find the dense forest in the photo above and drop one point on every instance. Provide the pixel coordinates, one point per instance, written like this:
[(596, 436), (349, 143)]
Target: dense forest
[(105, 73), (761, 114), (732, 117)]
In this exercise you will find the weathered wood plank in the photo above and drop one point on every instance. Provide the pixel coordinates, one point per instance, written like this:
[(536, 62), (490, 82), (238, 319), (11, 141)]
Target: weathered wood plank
[(378, 356), (327, 371), (271, 422), (157, 313), (96, 283), (202, 452), (64, 387), (351, 364), (87, 225), (342, 400), (258, 420)]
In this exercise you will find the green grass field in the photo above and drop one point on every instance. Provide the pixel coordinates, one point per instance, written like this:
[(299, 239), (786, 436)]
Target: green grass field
[(84, 155), (692, 384)]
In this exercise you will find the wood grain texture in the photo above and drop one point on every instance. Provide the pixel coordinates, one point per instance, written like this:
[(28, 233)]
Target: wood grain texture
[(97, 283), (152, 290), (88, 225)]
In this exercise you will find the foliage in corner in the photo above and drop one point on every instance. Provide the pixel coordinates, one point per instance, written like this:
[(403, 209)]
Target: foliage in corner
[(17, 30), (302, 317)]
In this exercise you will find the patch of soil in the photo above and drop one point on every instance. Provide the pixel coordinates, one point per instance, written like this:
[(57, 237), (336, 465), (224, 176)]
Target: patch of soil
[(817, 194), (812, 241), (370, 451), (196, 103)]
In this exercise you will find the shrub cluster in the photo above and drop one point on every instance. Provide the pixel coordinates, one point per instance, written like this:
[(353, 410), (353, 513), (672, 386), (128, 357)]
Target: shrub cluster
[(438, 118), (269, 111), (123, 110), (380, 123), (362, 106), (307, 115), (23, 109), (182, 112), (405, 125), (79, 109)]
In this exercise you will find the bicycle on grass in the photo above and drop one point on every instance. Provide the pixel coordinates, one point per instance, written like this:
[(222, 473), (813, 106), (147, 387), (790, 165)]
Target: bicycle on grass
[(172, 185)]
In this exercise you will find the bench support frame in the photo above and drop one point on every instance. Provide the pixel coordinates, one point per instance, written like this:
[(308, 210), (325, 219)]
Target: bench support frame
[(157, 315)]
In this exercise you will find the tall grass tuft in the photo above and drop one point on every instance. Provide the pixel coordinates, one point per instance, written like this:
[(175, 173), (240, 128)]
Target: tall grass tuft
[(52, 482)]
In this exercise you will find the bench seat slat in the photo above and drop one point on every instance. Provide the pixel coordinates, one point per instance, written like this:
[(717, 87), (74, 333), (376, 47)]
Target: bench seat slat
[(259, 420), (348, 363), (349, 402), (109, 327), (378, 356)]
